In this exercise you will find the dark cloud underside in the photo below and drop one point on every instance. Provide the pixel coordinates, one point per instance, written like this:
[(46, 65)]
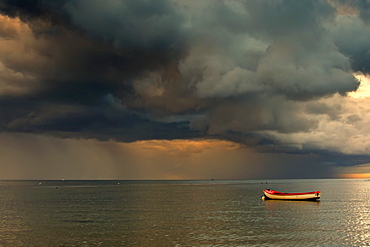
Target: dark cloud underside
[(139, 70)]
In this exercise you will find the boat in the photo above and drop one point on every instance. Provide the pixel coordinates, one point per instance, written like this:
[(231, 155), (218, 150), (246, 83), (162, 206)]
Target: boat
[(276, 195)]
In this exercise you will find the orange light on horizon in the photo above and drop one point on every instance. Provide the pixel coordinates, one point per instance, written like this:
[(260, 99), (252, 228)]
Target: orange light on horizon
[(185, 147), (355, 175)]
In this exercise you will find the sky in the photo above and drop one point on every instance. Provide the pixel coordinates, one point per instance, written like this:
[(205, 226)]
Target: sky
[(184, 89)]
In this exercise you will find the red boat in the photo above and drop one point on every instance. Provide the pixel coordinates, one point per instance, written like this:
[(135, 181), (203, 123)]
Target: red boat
[(276, 195)]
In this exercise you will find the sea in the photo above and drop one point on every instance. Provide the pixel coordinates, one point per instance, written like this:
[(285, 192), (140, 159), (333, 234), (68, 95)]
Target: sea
[(182, 213)]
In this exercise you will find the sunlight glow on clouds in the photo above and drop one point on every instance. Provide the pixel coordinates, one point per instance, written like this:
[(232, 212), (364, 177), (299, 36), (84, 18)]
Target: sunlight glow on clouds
[(342, 126), (186, 147), (184, 88), (16, 47), (364, 89)]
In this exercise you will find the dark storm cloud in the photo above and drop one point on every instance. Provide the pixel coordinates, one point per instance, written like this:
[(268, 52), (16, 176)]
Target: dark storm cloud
[(351, 34), (87, 121), (116, 45), (138, 69), (141, 24), (87, 64), (341, 160), (32, 8), (358, 49), (364, 8)]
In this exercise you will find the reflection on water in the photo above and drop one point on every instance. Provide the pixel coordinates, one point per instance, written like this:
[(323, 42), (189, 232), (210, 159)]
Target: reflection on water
[(182, 213)]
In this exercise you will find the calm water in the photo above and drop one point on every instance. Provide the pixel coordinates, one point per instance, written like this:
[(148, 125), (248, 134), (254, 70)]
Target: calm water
[(182, 213)]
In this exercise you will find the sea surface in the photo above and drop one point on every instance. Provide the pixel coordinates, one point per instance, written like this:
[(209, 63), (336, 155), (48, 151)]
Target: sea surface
[(182, 213)]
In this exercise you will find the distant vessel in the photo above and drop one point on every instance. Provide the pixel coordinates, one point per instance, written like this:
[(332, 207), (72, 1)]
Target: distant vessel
[(276, 195)]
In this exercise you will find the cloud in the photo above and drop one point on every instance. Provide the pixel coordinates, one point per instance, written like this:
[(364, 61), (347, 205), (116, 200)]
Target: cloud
[(270, 75), (186, 147), (262, 50), (341, 127), (356, 7), (18, 74), (136, 24), (358, 49)]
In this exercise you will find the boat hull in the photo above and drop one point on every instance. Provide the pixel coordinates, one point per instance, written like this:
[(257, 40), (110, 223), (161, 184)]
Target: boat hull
[(303, 196)]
